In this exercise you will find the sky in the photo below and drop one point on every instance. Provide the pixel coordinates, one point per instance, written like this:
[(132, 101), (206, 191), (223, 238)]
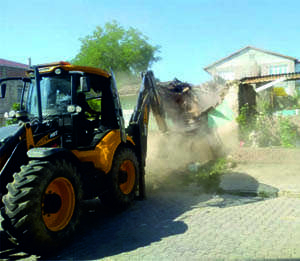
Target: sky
[(192, 34)]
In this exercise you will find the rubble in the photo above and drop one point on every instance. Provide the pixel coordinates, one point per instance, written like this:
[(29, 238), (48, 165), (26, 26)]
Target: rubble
[(181, 104), (187, 105)]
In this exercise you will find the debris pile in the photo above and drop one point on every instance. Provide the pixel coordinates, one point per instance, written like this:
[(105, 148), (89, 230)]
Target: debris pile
[(187, 105), (181, 104)]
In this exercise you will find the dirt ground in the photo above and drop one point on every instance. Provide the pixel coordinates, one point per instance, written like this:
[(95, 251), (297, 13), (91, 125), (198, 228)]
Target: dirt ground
[(274, 155)]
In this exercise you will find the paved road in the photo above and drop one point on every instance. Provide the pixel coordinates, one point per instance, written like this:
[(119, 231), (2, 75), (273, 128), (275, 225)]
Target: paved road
[(186, 225)]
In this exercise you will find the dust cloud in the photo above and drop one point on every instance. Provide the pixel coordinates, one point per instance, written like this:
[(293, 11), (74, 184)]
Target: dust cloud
[(170, 155), (127, 83)]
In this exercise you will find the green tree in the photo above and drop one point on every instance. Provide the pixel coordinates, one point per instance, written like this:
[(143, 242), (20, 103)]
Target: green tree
[(123, 50)]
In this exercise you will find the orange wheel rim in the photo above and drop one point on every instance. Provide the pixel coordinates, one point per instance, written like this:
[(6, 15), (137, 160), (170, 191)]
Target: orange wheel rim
[(128, 168), (58, 204)]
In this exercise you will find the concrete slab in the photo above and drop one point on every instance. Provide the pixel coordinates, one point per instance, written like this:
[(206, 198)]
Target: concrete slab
[(265, 172)]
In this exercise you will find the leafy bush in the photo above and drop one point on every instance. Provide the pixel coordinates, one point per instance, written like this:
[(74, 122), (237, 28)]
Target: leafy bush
[(275, 131), (246, 121), (264, 129), (288, 132)]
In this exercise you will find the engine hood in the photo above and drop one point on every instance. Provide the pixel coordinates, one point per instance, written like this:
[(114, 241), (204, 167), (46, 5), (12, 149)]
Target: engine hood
[(10, 132)]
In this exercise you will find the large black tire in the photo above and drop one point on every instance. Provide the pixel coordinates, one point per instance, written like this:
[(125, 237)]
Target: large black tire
[(122, 180), (42, 206)]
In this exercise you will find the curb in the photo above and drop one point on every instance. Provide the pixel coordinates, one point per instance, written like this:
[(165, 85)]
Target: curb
[(289, 194), (247, 193), (247, 186), (261, 193)]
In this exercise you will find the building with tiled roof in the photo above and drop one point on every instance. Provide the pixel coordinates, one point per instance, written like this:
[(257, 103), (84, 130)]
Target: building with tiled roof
[(14, 88), (12, 69)]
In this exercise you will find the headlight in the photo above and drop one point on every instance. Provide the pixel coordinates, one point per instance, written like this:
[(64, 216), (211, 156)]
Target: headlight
[(71, 108), (78, 109), (12, 114)]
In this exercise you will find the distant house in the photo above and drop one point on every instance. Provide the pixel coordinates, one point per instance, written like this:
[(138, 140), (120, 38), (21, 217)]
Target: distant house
[(14, 88), (12, 69), (251, 61)]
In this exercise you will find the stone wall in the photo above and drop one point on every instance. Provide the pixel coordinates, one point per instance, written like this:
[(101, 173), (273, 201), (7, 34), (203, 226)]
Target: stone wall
[(6, 71), (13, 89), (13, 95)]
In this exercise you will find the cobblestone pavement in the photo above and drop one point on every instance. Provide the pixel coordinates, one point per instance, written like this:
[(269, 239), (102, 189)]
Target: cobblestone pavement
[(185, 225)]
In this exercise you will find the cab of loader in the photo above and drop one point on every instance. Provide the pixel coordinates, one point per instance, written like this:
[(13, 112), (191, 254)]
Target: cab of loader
[(78, 102), (52, 114)]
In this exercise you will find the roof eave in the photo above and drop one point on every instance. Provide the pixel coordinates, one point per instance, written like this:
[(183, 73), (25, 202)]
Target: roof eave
[(249, 47)]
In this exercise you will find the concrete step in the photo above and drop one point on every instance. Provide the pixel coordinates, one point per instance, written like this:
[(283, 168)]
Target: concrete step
[(263, 179)]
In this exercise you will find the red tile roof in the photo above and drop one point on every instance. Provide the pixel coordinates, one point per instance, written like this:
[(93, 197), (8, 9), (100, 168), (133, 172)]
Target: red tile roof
[(8, 63)]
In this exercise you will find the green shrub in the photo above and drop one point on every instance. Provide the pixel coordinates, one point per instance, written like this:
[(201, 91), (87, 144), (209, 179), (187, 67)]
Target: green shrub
[(288, 133), (264, 129), (246, 122)]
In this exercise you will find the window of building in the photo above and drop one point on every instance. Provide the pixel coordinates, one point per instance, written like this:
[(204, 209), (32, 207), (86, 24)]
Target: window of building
[(226, 75), (278, 69)]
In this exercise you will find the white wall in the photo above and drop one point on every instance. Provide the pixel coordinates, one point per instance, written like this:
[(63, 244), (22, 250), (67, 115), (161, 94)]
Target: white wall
[(249, 63)]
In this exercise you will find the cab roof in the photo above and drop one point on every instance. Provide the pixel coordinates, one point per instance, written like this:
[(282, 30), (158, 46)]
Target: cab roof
[(50, 67)]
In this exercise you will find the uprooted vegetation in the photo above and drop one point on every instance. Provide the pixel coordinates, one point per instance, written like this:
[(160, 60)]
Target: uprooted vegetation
[(209, 174)]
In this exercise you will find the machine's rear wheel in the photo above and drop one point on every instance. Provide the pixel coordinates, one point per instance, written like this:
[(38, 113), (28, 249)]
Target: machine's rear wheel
[(122, 180), (42, 205)]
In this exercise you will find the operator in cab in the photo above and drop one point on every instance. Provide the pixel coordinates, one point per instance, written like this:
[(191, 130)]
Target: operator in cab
[(87, 125)]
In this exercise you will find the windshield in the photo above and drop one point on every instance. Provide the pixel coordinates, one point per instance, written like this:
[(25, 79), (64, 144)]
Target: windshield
[(55, 95)]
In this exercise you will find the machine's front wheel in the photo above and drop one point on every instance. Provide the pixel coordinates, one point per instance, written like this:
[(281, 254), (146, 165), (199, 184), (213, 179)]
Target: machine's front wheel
[(122, 180), (42, 205)]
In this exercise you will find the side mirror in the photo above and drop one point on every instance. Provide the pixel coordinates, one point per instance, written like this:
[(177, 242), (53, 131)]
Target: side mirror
[(84, 84), (3, 90)]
